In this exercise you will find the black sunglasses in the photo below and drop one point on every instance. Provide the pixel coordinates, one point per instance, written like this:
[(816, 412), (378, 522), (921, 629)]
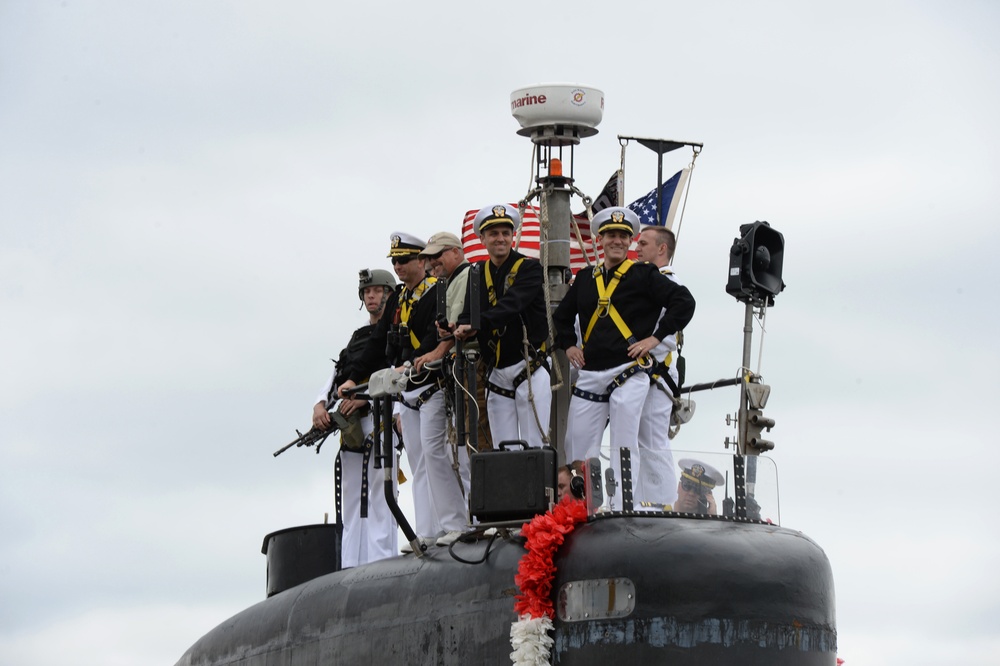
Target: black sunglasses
[(403, 260)]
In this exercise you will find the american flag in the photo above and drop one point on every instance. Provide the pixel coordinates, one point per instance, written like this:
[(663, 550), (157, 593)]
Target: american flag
[(474, 250), (529, 241), (673, 189)]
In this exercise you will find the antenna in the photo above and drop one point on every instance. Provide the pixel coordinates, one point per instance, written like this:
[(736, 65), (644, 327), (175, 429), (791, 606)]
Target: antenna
[(555, 116)]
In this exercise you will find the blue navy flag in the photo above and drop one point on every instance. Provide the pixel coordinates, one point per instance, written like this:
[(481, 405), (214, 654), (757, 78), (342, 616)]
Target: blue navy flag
[(645, 207)]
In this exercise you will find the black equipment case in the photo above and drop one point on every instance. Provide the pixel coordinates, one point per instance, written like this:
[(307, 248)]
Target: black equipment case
[(512, 485)]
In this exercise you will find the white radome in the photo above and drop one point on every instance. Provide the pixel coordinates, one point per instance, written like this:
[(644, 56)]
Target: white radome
[(551, 104)]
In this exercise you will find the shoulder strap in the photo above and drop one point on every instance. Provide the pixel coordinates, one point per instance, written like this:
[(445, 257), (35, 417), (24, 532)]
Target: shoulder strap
[(491, 291), (408, 299), (604, 306)]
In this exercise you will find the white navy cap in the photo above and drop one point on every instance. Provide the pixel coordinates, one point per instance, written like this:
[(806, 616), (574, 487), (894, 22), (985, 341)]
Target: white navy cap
[(491, 216), (615, 217), (700, 473), (403, 244)]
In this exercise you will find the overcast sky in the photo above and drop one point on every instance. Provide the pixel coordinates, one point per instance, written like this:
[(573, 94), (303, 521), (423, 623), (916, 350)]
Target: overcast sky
[(187, 190)]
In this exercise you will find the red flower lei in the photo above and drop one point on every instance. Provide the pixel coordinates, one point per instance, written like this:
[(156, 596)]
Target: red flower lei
[(545, 533)]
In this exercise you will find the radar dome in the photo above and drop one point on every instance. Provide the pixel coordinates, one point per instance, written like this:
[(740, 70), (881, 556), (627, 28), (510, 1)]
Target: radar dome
[(557, 113)]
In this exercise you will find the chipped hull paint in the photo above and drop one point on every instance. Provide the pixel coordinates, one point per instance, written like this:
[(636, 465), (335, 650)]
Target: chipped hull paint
[(707, 592), (710, 641)]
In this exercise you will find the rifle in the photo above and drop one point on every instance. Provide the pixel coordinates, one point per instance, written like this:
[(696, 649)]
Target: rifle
[(314, 435)]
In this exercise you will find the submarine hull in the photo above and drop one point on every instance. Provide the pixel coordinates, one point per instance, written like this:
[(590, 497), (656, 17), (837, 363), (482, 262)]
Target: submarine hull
[(706, 591)]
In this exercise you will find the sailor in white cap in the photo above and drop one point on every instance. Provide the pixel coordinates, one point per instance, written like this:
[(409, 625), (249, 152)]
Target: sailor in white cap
[(618, 305), (512, 330), (369, 529), (694, 490), (659, 478), (405, 332)]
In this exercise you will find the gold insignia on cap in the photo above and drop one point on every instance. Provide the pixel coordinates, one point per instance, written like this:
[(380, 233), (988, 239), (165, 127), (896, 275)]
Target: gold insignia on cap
[(618, 217), (499, 211), (697, 471), (396, 240)]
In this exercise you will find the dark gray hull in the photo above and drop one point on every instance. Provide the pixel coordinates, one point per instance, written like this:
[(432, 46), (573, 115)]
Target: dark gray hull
[(707, 591)]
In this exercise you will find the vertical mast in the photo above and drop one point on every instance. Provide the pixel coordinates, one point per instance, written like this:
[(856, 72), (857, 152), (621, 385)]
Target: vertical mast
[(555, 201), (556, 117)]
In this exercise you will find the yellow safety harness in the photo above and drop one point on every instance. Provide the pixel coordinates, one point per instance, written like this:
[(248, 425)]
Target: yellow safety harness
[(491, 294), (604, 305), (606, 309), (408, 299)]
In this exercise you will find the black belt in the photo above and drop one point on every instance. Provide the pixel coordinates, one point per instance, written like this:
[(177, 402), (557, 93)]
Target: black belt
[(618, 380), (422, 398), (518, 379), (338, 475), (662, 371)]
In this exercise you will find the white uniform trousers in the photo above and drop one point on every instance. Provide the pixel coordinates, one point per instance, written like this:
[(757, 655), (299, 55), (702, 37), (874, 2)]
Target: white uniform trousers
[(588, 418), (658, 473), (514, 418), (365, 539), (439, 504)]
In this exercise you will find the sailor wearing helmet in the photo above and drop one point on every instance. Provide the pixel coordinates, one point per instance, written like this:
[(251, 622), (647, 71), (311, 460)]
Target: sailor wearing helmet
[(369, 529), (618, 304), (405, 332), (512, 328)]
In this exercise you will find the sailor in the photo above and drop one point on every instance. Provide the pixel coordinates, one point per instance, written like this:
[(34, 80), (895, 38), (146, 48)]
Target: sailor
[(658, 478), (448, 265), (563, 480), (570, 481), (446, 258), (369, 529), (618, 304), (512, 330), (694, 490), (404, 333)]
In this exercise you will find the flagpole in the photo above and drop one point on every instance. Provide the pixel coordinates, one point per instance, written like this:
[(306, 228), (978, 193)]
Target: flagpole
[(660, 147), (659, 189)]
